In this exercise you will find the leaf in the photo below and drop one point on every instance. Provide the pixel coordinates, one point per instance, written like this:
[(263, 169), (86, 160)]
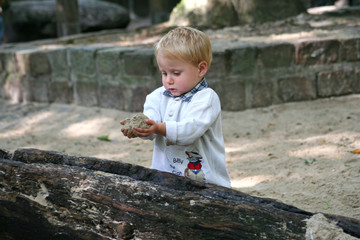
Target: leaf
[(356, 151), (104, 138), (308, 161), (327, 206)]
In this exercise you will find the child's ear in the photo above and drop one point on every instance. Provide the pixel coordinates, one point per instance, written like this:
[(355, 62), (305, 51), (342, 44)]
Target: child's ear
[(203, 67)]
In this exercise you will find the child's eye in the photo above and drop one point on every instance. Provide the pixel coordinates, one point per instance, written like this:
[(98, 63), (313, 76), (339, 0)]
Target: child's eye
[(176, 73), (164, 73)]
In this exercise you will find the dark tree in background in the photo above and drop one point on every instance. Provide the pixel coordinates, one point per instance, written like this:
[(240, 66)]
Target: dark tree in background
[(67, 15)]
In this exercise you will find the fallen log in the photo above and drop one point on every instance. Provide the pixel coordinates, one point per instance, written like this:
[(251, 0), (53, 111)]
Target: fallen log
[(50, 195)]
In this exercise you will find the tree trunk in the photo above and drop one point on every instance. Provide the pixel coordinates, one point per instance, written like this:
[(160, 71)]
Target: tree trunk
[(49, 195), (67, 17)]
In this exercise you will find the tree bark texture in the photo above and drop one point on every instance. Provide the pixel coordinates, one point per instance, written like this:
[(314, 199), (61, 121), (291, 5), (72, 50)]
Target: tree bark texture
[(50, 195), (68, 17)]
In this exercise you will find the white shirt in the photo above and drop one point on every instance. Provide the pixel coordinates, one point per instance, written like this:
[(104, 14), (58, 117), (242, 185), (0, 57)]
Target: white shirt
[(194, 144)]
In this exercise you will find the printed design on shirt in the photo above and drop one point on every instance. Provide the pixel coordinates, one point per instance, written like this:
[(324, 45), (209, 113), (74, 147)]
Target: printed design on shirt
[(177, 159), (194, 166)]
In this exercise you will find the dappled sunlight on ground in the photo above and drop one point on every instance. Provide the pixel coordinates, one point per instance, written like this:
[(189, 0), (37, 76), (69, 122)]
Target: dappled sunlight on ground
[(112, 155), (248, 182), (332, 146), (26, 125), (85, 128)]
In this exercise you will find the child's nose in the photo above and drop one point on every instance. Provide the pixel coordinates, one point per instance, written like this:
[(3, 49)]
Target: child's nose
[(169, 80)]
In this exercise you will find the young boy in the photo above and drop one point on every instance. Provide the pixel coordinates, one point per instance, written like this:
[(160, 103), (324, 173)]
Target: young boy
[(184, 114)]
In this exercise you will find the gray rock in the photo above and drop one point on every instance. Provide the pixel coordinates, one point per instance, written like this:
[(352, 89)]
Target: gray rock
[(32, 20), (222, 13), (137, 121)]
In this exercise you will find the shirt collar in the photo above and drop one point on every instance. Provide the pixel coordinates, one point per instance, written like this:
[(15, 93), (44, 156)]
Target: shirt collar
[(186, 97)]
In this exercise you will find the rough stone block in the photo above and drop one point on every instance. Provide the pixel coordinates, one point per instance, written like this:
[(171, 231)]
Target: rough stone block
[(261, 94), (39, 88), (32, 62), (277, 55), (242, 59), (60, 70), (108, 61), (154, 81), (86, 93), (61, 92), (138, 98), (22, 62), (16, 88), (311, 52), (231, 94), (110, 65), (356, 85), (8, 59), (3, 74), (112, 96), (39, 64), (2, 85), (350, 50), (296, 89), (218, 65), (336, 83), (140, 63), (82, 60)]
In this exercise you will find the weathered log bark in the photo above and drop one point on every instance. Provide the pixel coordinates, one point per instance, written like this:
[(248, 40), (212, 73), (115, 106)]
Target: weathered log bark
[(49, 195)]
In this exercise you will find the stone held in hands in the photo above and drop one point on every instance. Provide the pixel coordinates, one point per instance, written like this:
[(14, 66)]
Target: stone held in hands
[(137, 121)]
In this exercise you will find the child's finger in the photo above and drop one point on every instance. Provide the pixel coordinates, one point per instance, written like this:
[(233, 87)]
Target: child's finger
[(122, 122), (140, 132), (149, 122), (126, 132)]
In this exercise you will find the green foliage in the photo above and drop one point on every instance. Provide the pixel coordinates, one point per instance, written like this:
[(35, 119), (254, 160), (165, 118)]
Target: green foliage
[(70, 41), (104, 138), (308, 161)]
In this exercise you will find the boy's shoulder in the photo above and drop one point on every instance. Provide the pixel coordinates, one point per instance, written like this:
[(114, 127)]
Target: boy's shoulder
[(207, 92)]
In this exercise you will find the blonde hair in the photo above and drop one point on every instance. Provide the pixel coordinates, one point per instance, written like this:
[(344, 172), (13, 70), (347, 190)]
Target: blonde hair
[(186, 44)]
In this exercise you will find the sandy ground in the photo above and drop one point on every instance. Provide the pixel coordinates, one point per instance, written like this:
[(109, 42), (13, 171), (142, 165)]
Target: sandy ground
[(298, 153)]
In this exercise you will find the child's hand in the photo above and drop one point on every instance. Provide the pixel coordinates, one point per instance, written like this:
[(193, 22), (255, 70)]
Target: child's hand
[(155, 127), (145, 132), (137, 121)]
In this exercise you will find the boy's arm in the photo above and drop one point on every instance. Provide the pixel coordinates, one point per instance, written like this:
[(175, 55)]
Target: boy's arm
[(152, 110), (152, 105)]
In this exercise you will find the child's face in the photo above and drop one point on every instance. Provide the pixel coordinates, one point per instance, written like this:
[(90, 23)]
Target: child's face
[(179, 77)]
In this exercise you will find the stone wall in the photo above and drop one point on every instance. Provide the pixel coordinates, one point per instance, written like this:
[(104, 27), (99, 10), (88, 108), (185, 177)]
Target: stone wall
[(246, 74)]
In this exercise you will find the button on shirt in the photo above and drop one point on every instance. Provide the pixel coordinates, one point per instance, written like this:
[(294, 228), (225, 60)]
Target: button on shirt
[(193, 134)]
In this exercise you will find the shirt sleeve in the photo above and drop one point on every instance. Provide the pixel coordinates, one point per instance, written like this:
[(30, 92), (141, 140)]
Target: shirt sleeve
[(203, 110), (152, 105), (152, 108)]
